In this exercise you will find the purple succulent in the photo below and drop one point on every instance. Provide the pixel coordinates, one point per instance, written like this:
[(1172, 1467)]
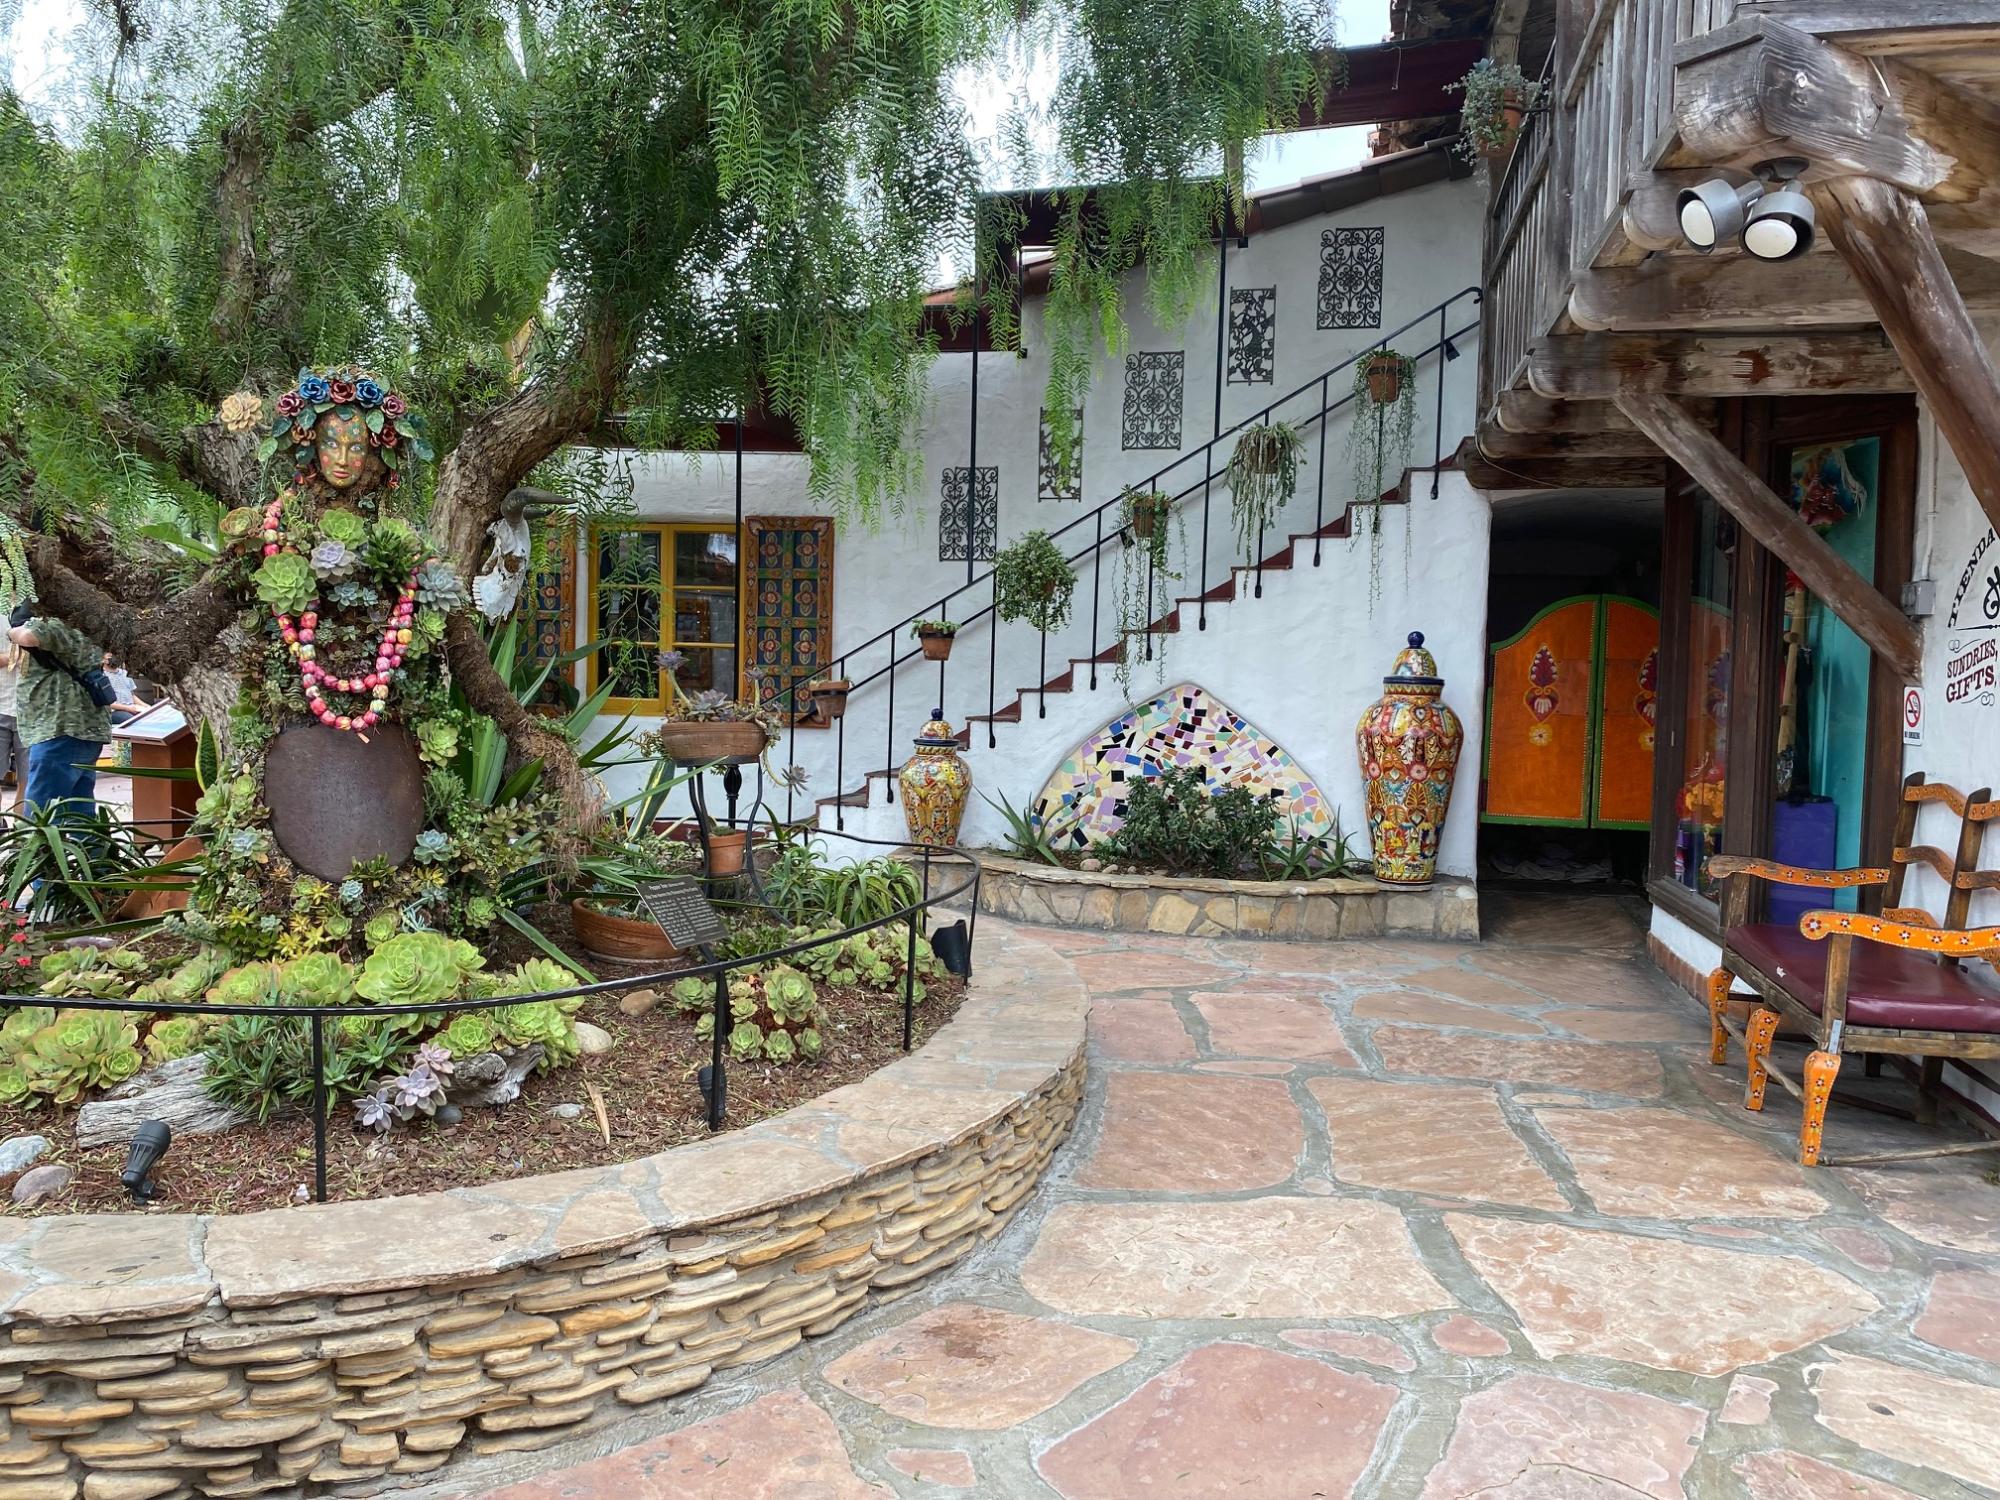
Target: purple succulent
[(707, 701), (436, 1058), (416, 1087), (672, 661), (372, 1112)]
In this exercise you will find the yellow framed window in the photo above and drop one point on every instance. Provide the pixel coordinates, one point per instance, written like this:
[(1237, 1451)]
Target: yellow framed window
[(655, 585)]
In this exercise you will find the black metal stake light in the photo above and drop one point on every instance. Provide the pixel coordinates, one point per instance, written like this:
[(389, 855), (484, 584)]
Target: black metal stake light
[(149, 1144), (953, 947)]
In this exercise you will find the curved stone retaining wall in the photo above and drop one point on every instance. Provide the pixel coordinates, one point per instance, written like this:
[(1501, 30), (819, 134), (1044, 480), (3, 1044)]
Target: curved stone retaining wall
[(1318, 909), (156, 1355)]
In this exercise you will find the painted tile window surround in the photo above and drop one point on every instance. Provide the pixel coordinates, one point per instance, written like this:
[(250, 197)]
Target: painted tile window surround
[(657, 585)]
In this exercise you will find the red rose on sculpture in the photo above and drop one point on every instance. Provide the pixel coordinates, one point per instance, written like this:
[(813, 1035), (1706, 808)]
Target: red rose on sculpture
[(340, 392), (291, 404), (393, 405), (386, 438)]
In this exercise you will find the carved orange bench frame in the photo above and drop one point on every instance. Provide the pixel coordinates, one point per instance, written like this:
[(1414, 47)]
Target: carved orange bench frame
[(1909, 928)]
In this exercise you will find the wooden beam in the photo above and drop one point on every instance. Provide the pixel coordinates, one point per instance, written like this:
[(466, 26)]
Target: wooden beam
[(1652, 212), (1824, 17), (1740, 291), (1558, 473), (1603, 366), (1776, 526), (1757, 89), (1501, 445), (1885, 237), (1524, 411)]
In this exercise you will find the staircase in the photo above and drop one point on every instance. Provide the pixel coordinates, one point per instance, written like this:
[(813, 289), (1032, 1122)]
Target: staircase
[(865, 803)]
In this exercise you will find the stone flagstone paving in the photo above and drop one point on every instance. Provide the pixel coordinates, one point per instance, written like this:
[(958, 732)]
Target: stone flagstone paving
[(1396, 1220)]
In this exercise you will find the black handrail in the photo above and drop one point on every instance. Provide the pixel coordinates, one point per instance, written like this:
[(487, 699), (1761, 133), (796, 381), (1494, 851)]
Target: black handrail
[(720, 968)]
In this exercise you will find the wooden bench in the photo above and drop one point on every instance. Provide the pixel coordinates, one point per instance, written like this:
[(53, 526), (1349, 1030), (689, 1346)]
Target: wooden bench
[(1905, 991)]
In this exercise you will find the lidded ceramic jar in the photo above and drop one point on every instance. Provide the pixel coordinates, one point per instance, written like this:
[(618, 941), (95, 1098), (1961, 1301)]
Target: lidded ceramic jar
[(1409, 743), (936, 784)]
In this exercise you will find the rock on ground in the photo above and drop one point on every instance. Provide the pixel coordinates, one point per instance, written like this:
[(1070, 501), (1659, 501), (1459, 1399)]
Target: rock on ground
[(173, 1093), (20, 1152), (41, 1182)]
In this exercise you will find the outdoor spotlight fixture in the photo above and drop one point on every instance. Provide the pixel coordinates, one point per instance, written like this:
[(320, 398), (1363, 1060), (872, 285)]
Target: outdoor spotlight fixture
[(149, 1144), (714, 1093), (953, 946), (1771, 218)]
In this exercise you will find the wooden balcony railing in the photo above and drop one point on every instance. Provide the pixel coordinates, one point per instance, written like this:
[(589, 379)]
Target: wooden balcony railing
[(1605, 117)]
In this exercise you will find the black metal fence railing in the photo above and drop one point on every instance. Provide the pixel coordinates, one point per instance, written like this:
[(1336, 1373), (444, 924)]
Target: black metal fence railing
[(914, 915)]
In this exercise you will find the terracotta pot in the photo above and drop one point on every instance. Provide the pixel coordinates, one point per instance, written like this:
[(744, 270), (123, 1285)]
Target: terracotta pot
[(694, 742), (1147, 516), (174, 897), (1385, 379), (1258, 451), (829, 699), (620, 939), (727, 851), (1511, 116), (936, 644)]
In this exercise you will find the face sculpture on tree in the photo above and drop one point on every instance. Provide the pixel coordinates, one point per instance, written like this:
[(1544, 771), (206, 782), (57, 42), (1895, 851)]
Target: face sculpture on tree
[(342, 448)]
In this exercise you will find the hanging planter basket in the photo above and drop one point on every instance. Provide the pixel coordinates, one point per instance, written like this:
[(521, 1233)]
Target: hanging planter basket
[(829, 699), (936, 644), (1385, 378), (1262, 450), (694, 742), (1497, 142), (1147, 513)]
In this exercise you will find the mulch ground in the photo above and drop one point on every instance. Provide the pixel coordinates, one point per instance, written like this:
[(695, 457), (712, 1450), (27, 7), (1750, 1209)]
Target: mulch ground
[(647, 1082)]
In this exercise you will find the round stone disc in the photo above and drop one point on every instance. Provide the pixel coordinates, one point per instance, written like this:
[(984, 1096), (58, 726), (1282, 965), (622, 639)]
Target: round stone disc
[(335, 798)]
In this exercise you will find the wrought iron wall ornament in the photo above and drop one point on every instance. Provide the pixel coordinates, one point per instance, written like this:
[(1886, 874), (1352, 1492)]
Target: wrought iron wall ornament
[(1055, 480), (1253, 335), (1350, 278), (1154, 383), (969, 516)]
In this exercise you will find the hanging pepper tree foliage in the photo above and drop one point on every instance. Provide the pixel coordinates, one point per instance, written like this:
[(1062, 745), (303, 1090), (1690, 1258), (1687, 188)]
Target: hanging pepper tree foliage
[(531, 217)]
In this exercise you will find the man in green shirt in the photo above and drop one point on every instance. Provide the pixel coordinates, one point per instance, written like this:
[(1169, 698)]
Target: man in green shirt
[(63, 730)]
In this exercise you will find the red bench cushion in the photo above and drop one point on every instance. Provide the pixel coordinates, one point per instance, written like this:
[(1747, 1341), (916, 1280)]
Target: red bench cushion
[(1889, 987)]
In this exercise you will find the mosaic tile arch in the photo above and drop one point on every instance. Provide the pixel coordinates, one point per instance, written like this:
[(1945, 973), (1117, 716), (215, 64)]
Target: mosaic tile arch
[(1350, 277), (1084, 801)]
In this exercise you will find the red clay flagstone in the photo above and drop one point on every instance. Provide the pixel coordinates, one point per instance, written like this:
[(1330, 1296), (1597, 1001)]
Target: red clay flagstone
[(1922, 1419), (1470, 985), (1533, 1437), (1573, 979), (1369, 1348), (1659, 1164), (1748, 1403), (1793, 1476), (1139, 1031), (1291, 1258), (779, 1448), (1953, 1206), (1107, 973), (1430, 1138), (1300, 1030), (1251, 1069), (1179, 1133), (1631, 1024), (1224, 1422), (945, 1466), (1665, 1303), (1962, 1314), (1427, 1010), (1598, 1066), (1470, 1337), (1869, 1251), (978, 1368)]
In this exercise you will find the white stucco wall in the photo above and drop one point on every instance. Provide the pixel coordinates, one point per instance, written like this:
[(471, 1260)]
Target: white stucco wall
[(1431, 250)]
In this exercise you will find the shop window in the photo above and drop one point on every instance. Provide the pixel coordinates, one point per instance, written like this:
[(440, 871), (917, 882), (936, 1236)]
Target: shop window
[(1703, 791), (656, 586)]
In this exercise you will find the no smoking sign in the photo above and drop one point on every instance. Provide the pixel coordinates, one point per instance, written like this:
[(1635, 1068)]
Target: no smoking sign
[(1913, 716)]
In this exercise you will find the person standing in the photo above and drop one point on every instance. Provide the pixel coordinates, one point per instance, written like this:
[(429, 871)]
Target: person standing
[(58, 719), (13, 759)]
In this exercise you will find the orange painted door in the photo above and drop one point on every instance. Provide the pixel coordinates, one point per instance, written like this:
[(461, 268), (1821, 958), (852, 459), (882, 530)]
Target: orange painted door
[(1628, 672), (1539, 719)]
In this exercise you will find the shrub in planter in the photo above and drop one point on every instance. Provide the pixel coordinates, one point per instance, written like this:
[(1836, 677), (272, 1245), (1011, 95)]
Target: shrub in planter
[(1497, 99), (1263, 476), (935, 636), (1176, 822), (1032, 581)]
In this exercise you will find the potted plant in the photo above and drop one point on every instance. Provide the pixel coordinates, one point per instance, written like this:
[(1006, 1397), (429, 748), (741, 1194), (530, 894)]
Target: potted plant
[(935, 636), (1498, 97), (827, 697), (1263, 476), (1378, 440), (1032, 582), (1144, 573), (707, 726), (606, 916)]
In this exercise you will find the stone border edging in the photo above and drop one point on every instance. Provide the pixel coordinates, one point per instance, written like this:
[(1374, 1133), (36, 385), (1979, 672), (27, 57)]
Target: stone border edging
[(156, 1355), (1317, 910)]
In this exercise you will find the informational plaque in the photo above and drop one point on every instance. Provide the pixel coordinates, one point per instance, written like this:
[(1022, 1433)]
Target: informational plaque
[(154, 726), (683, 911)]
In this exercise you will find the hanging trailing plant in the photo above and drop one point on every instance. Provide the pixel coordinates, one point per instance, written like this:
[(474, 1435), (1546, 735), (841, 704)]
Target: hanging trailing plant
[(1032, 582), (1263, 476), (1148, 525), (1497, 99), (1378, 441)]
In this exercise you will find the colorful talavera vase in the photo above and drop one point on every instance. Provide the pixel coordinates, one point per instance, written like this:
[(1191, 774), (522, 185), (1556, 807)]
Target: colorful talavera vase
[(936, 785), (1409, 743)]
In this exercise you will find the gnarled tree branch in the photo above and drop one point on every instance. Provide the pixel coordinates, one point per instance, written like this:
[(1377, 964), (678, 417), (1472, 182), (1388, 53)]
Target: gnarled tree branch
[(163, 643)]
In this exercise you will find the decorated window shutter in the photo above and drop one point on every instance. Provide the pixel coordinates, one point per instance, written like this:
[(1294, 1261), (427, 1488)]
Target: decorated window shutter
[(547, 614), (787, 602)]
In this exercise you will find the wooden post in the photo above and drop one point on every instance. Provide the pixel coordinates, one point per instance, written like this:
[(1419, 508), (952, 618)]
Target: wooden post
[(1885, 237), (1777, 527)]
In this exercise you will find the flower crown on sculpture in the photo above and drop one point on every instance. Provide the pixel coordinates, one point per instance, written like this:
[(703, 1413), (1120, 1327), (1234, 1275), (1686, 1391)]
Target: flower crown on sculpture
[(348, 392)]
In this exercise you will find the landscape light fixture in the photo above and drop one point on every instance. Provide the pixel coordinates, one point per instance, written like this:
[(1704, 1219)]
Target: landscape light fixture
[(953, 947), (1768, 215), (149, 1144)]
